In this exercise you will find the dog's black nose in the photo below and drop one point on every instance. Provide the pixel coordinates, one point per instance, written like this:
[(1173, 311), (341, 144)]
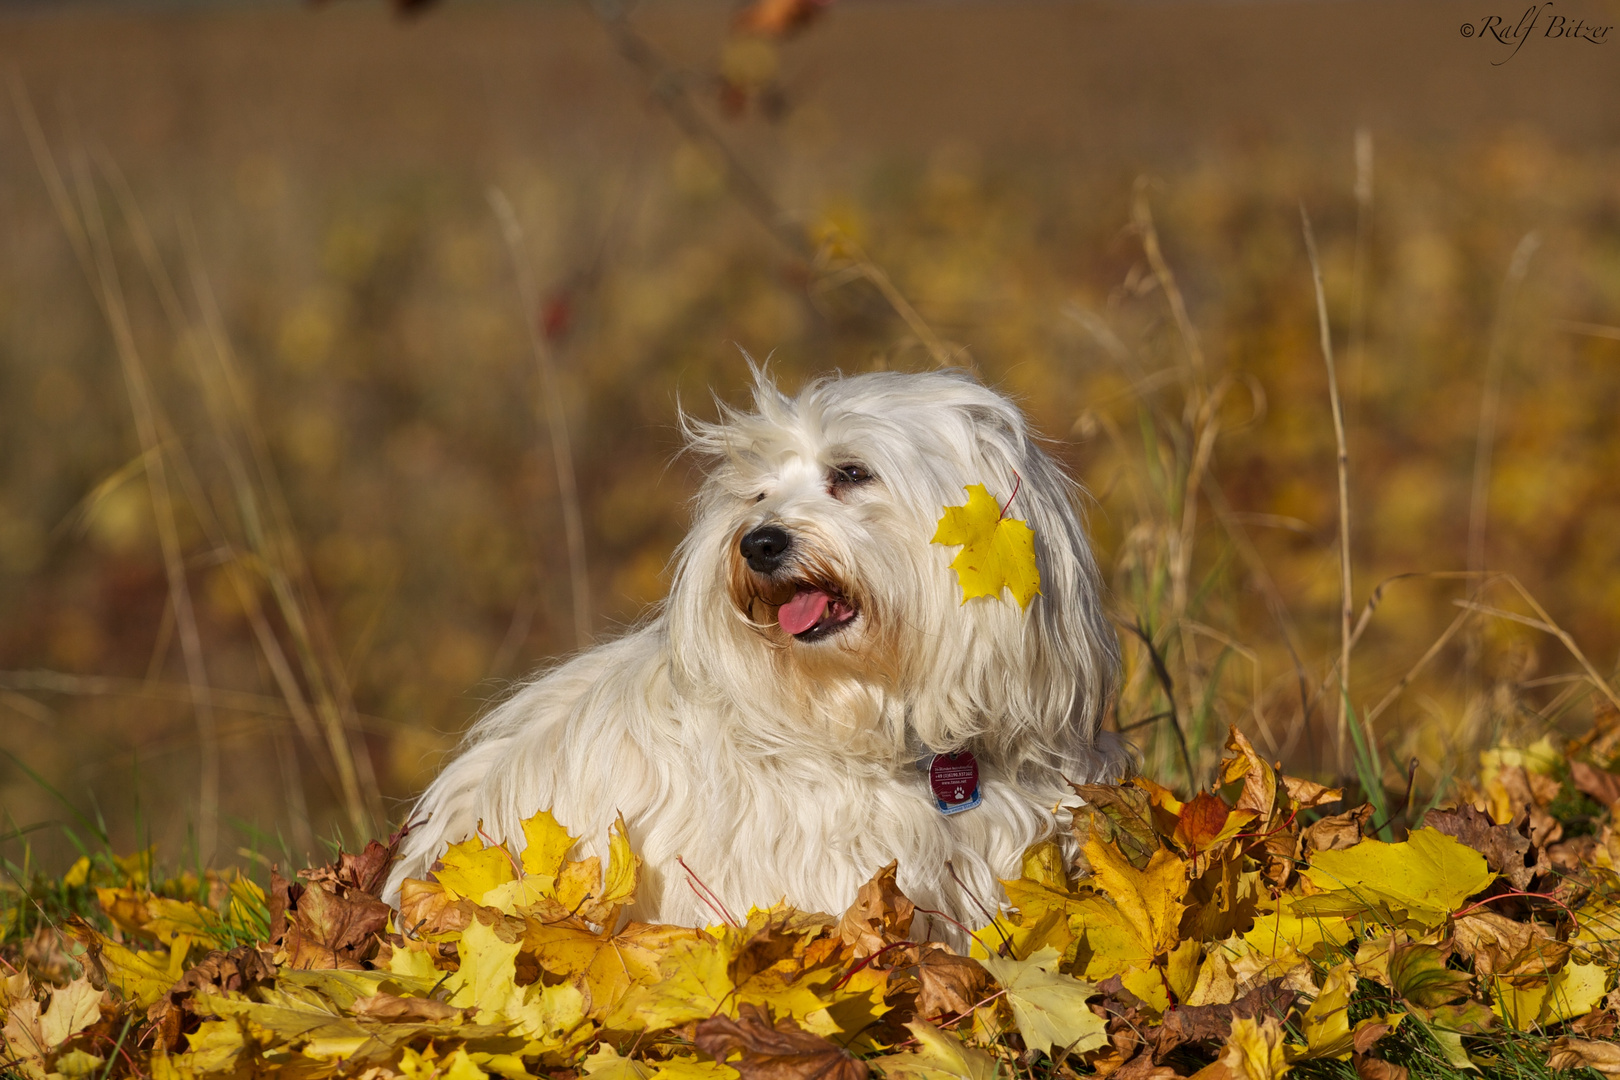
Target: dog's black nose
[(765, 548)]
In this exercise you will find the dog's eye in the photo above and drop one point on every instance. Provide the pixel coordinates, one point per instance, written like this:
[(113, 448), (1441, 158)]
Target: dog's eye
[(850, 473), (760, 497)]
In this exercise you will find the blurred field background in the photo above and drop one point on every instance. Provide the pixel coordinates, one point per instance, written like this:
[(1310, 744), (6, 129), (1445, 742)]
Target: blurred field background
[(327, 419)]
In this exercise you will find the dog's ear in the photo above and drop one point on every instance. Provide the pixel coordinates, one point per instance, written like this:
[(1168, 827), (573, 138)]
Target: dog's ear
[(1070, 653)]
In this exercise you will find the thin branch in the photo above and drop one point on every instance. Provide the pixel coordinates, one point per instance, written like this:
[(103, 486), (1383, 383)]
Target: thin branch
[(1344, 489), (1163, 674), (1142, 214), (669, 90)]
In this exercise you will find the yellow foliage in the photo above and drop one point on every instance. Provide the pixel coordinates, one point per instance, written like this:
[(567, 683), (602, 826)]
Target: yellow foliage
[(997, 551)]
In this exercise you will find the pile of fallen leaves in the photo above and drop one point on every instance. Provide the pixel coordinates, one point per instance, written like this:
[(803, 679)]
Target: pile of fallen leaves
[(1257, 929)]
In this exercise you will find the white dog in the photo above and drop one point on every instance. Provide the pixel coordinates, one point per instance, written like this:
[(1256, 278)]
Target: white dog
[(769, 732)]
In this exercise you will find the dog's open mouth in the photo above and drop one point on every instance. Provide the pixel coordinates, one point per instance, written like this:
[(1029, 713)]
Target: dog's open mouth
[(814, 613)]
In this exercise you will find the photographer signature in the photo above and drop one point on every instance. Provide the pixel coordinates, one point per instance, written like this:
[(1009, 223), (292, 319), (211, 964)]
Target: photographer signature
[(1538, 17)]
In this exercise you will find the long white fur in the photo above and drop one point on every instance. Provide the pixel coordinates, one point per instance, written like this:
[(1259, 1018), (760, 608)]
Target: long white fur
[(779, 769)]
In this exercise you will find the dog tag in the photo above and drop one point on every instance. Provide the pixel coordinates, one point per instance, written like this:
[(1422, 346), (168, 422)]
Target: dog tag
[(954, 779)]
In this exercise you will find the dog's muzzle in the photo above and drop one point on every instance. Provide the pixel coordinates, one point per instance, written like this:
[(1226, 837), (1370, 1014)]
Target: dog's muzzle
[(765, 548), (807, 610)]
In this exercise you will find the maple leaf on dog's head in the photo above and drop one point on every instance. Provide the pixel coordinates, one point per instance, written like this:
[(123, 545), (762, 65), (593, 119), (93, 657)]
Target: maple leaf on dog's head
[(996, 550)]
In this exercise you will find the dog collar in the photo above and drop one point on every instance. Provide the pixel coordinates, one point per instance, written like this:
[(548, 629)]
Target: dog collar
[(954, 780)]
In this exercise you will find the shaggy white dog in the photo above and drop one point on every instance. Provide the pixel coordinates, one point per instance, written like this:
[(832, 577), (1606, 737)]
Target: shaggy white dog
[(771, 727)]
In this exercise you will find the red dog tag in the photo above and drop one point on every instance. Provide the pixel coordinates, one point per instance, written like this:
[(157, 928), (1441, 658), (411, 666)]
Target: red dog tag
[(954, 779)]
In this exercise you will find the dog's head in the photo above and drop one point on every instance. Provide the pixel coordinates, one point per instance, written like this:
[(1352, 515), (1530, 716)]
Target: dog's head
[(810, 570)]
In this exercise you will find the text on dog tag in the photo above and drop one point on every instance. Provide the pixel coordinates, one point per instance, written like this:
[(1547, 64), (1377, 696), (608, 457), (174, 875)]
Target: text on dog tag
[(954, 779)]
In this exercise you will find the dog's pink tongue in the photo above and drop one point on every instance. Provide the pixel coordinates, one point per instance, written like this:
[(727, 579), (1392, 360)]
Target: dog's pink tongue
[(803, 611)]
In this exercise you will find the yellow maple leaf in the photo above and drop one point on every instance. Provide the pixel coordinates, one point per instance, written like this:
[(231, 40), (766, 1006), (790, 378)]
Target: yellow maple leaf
[(1254, 1050), (1417, 883), (455, 1066), (545, 845), (938, 1055), (1310, 935), (1573, 992), (693, 984), (604, 1063), (32, 1035), (487, 975), (141, 977), (619, 886), (996, 551), (1327, 1021), (1048, 1006), (472, 870), (605, 967), (551, 1017), (215, 1046), (1149, 900), (691, 1068)]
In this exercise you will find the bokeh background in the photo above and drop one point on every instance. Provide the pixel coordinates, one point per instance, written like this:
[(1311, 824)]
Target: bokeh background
[(317, 323)]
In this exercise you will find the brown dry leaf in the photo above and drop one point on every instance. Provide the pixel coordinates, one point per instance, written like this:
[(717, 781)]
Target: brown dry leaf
[(1603, 741), (1502, 947), (1602, 786), (880, 915), (1596, 1025), (238, 970), (1506, 850), (325, 930), (1529, 793), (1337, 832), (782, 1051), (364, 873), (1371, 1068), (1572, 1053), (47, 953), (427, 910), (1126, 817), (404, 1010), (1259, 778), (1206, 1024), (1569, 857), (949, 983), (1367, 1033), (1123, 1043), (1308, 794), (1142, 1067)]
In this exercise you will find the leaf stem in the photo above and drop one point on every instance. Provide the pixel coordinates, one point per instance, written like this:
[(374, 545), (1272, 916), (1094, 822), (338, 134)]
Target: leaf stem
[(1018, 482)]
